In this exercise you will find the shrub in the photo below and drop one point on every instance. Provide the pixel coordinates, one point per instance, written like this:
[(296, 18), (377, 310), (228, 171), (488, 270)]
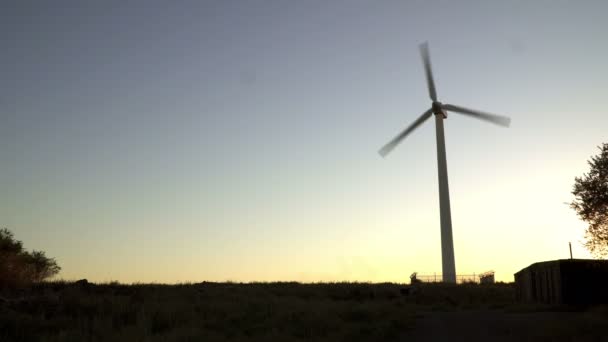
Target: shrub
[(20, 267)]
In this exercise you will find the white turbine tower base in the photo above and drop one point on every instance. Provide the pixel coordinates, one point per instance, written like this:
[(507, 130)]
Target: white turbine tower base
[(447, 244), (439, 110)]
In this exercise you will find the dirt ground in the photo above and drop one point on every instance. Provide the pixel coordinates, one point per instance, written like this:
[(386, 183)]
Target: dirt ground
[(507, 326)]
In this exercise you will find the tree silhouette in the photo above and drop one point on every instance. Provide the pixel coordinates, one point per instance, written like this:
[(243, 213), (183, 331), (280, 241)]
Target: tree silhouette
[(591, 202), (19, 267)]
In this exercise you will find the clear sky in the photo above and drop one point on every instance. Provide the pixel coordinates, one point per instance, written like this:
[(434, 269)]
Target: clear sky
[(178, 141)]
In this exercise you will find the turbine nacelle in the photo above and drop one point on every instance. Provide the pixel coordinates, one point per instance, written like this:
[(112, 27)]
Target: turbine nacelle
[(437, 109)]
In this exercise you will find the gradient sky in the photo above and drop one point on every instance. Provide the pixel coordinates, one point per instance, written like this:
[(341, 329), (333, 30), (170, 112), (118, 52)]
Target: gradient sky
[(178, 141)]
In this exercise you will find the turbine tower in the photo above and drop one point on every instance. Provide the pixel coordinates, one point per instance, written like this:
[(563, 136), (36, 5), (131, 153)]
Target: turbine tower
[(440, 111)]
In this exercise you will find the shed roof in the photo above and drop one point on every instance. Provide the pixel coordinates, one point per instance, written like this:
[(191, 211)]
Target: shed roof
[(569, 262)]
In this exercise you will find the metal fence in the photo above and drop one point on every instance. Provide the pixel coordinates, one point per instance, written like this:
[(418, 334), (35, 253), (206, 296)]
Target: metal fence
[(460, 278)]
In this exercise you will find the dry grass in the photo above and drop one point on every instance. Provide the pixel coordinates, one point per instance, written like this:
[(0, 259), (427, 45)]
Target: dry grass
[(59, 311), (208, 311)]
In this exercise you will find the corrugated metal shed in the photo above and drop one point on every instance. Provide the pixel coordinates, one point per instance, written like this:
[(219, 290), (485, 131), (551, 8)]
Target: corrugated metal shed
[(568, 281)]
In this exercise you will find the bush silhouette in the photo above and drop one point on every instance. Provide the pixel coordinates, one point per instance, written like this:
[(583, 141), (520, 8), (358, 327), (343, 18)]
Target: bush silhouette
[(591, 202), (20, 267)]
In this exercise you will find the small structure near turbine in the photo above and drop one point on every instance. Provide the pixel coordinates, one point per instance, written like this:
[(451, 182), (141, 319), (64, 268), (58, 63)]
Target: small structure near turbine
[(414, 278), (566, 281), (478, 278), (486, 277), (440, 111)]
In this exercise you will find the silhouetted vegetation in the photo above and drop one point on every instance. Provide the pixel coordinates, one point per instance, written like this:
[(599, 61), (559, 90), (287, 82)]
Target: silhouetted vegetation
[(60, 311), (20, 267), (591, 202)]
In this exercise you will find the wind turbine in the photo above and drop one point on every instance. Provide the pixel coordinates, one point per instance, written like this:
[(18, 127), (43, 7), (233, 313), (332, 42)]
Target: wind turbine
[(440, 111)]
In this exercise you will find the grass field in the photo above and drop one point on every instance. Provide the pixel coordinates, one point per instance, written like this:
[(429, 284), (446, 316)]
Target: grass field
[(59, 311)]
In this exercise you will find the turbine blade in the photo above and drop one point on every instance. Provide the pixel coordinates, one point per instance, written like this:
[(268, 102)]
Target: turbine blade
[(426, 58), (495, 119), (386, 149)]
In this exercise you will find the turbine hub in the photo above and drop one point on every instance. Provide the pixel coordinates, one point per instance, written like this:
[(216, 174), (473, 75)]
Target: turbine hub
[(437, 110)]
